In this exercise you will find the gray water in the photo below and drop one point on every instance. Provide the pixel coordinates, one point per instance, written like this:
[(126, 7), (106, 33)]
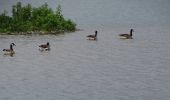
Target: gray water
[(107, 69)]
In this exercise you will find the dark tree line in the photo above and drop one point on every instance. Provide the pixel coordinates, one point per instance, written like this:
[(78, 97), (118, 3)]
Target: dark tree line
[(28, 18)]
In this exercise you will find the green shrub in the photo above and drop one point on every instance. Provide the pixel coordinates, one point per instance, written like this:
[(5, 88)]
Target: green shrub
[(28, 18)]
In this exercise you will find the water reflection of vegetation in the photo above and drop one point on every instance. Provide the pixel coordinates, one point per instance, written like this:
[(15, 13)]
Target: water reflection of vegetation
[(28, 19)]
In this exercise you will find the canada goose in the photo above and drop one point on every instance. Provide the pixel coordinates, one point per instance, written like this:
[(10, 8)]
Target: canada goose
[(44, 47), (94, 37), (127, 36), (9, 51)]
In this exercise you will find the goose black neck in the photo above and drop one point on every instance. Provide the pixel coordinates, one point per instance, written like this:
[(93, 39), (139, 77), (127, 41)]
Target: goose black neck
[(131, 31), (11, 47), (95, 33)]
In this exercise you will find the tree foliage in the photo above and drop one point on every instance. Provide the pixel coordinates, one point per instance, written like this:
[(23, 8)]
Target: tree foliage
[(28, 18)]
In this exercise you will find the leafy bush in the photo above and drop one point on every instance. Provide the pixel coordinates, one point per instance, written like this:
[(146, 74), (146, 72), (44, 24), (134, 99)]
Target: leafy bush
[(28, 18)]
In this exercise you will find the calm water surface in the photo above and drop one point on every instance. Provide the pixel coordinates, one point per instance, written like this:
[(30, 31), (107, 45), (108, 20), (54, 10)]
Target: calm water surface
[(107, 69)]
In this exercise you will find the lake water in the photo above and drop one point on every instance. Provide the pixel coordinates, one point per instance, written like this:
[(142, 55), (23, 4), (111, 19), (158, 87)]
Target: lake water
[(107, 69)]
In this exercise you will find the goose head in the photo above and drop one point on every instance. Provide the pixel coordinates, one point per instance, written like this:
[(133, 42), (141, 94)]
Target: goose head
[(48, 43)]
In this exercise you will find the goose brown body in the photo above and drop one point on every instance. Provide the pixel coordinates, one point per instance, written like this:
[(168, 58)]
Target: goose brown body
[(45, 46), (127, 36), (93, 36), (10, 50)]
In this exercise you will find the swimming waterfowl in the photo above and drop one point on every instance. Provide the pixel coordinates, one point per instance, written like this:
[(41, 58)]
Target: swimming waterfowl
[(94, 37), (9, 51), (127, 36), (45, 47)]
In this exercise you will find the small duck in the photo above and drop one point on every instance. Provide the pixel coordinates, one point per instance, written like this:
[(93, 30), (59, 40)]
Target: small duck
[(44, 47), (127, 36), (9, 51), (94, 37)]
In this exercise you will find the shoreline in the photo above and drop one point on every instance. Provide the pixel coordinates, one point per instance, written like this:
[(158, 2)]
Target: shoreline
[(39, 32)]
